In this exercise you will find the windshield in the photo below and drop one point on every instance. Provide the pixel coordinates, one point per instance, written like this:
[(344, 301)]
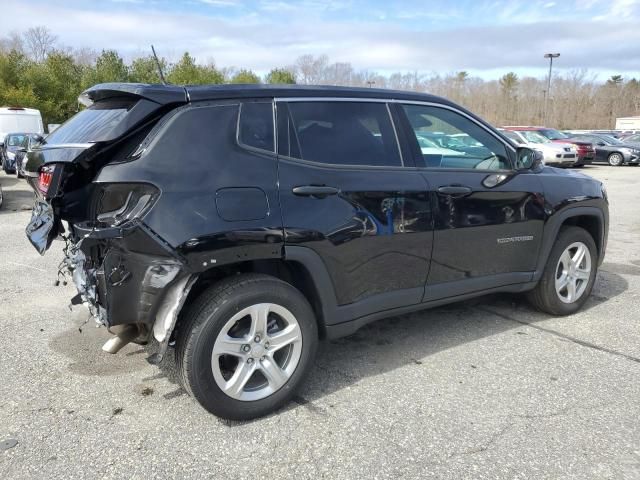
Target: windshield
[(15, 140), (91, 125), (552, 134), (534, 137)]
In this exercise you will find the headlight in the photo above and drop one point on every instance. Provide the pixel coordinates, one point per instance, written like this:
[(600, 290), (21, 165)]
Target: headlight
[(11, 155)]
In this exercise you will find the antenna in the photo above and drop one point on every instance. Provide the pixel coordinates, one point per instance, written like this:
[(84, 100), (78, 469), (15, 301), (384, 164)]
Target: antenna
[(164, 82)]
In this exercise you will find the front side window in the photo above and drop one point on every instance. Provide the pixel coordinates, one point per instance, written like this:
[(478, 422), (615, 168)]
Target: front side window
[(255, 128), (340, 133), (513, 136), (438, 132)]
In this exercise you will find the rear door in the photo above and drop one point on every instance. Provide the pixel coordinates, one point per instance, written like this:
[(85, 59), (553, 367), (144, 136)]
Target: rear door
[(488, 219), (352, 196)]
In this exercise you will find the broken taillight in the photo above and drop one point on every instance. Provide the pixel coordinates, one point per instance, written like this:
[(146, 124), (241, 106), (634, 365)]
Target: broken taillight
[(45, 178)]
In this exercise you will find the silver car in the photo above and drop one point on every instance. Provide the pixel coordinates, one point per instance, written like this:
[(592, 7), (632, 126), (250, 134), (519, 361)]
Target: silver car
[(556, 154)]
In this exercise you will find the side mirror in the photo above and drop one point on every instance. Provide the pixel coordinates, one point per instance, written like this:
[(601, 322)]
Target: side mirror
[(600, 144), (528, 159)]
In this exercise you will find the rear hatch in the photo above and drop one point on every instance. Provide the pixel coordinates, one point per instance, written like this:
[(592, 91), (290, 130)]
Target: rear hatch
[(61, 168)]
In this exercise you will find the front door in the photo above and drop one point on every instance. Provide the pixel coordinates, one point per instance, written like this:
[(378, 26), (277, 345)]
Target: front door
[(488, 218), (346, 194)]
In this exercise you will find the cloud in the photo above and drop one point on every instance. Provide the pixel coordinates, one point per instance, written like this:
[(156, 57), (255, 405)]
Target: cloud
[(274, 33)]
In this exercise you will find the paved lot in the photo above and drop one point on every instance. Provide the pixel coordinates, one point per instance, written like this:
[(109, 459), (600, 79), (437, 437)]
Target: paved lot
[(485, 389)]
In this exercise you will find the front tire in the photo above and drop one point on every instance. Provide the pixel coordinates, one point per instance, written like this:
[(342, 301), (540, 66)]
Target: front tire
[(615, 159), (569, 273), (246, 345)]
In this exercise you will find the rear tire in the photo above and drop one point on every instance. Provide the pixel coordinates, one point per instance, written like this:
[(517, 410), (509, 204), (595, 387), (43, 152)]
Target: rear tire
[(566, 284), (215, 368)]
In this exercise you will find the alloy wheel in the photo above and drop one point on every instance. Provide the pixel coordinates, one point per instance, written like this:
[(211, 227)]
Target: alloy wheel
[(256, 352), (615, 159), (573, 272)]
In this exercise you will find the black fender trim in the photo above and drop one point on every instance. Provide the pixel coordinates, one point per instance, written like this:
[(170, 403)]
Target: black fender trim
[(552, 228)]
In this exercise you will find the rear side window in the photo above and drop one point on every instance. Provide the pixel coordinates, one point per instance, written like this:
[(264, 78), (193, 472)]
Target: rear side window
[(94, 124), (341, 133), (255, 128)]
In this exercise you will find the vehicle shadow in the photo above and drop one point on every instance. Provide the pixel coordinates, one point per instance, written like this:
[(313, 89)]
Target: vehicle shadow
[(396, 342), (16, 200)]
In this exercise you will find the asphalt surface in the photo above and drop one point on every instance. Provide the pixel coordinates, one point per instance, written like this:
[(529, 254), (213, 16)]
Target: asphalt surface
[(484, 389)]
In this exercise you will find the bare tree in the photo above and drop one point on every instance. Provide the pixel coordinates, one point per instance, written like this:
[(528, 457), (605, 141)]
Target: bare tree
[(84, 56), (12, 42), (39, 41)]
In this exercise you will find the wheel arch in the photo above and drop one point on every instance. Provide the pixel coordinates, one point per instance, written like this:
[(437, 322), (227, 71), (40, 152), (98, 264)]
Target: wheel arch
[(297, 268), (591, 219)]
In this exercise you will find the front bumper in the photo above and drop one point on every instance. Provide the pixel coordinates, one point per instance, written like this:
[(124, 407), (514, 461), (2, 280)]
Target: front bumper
[(585, 158)]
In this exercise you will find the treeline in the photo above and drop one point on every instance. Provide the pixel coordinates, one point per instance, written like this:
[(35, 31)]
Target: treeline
[(577, 99), (36, 71)]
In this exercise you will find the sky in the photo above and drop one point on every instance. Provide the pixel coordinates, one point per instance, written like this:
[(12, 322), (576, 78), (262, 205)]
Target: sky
[(484, 37)]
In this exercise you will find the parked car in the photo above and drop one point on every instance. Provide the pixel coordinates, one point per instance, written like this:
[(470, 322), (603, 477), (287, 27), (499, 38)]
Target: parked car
[(10, 144), (279, 235), (18, 119), (631, 139), (614, 151), (557, 154), (586, 151), (28, 141)]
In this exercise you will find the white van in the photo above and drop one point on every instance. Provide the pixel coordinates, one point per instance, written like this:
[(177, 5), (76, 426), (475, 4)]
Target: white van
[(18, 119)]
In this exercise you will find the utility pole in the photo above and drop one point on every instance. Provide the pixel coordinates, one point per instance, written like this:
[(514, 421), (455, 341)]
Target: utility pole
[(550, 56)]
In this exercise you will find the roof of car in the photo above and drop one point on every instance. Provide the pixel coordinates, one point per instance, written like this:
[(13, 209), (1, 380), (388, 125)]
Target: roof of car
[(173, 93)]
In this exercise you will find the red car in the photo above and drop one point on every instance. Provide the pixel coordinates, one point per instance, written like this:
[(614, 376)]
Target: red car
[(586, 151)]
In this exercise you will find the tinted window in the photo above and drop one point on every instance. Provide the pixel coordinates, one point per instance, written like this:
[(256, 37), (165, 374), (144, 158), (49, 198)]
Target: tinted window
[(15, 140), (256, 125), (91, 125), (438, 132), (343, 133)]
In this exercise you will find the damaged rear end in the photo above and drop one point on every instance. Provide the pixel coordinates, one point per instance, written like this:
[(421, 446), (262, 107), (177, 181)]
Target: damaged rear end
[(125, 273)]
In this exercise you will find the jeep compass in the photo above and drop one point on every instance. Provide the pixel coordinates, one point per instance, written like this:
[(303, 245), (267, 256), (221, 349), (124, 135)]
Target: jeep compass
[(239, 225)]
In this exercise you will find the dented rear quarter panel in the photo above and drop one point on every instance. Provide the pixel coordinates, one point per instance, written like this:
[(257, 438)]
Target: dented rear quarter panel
[(191, 156)]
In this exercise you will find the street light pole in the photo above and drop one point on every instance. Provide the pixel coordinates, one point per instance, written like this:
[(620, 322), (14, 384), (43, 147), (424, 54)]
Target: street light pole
[(550, 56)]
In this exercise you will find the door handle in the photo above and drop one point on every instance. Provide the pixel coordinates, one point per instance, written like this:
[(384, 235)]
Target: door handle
[(455, 190), (318, 191)]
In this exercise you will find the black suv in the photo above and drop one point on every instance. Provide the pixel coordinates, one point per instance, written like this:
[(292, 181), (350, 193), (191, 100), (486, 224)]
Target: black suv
[(245, 223)]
